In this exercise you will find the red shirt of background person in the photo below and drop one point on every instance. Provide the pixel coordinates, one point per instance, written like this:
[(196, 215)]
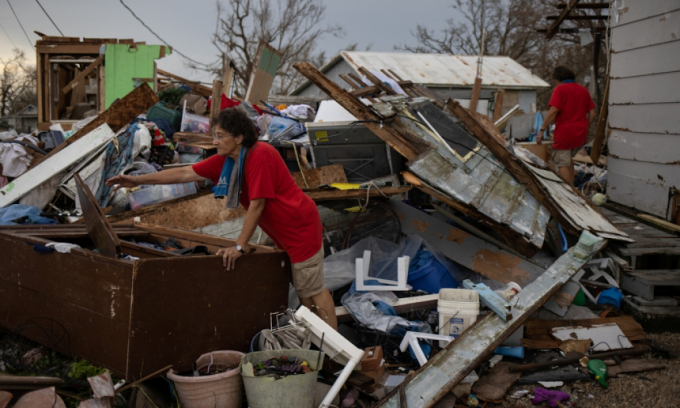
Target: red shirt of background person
[(573, 111), (290, 218), (573, 102)]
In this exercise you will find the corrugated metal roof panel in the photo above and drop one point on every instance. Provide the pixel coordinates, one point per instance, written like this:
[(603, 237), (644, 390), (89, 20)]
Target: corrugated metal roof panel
[(447, 70)]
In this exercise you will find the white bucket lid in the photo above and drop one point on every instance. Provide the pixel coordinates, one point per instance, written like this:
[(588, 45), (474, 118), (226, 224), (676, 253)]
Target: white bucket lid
[(459, 295)]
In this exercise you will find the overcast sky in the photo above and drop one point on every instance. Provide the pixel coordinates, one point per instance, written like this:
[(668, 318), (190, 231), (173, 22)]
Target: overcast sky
[(188, 24)]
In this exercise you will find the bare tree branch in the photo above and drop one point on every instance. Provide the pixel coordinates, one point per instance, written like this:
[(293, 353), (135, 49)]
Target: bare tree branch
[(291, 26)]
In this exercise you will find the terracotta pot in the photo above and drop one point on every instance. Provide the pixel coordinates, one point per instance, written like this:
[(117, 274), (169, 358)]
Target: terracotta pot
[(222, 390)]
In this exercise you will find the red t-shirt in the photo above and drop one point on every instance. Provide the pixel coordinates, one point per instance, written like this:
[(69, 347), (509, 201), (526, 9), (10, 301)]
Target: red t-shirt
[(290, 217), (571, 124)]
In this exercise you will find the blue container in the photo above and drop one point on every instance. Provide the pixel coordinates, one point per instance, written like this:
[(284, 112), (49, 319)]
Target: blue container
[(432, 277), (611, 296)]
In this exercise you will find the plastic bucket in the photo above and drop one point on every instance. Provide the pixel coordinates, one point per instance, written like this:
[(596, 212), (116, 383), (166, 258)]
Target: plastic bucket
[(431, 278), (293, 391), (458, 309), (222, 390)]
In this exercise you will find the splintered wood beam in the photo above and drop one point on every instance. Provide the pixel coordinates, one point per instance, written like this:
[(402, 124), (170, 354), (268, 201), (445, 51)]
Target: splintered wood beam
[(498, 105), (216, 103), (87, 71), (377, 82), (357, 88), (385, 131), (98, 227), (556, 24), (598, 141), (510, 161)]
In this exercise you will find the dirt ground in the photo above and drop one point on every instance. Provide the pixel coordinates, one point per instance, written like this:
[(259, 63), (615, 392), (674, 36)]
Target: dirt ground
[(646, 389)]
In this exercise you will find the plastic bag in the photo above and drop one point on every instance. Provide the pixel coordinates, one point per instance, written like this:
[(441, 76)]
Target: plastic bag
[(360, 305), (283, 128)]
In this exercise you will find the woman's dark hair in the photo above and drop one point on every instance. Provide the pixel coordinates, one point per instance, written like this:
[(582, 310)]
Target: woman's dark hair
[(563, 73), (236, 122)]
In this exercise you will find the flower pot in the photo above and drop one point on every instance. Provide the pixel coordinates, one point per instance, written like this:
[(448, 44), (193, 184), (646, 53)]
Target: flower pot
[(221, 390)]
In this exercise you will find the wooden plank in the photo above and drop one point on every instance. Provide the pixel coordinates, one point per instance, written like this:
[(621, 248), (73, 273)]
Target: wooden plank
[(474, 99), (187, 306), (327, 195), (634, 365), (599, 140), (69, 49), (668, 226), (116, 116), (656, 277), (195, 86), (82, 75), (405, 146), (264, 70), (40, 173), (556, 24), (498, 105), (216, 103), (403, 305), (227, 77), (377, 82), (321, 176), (192, 137), (198, 237), (540, 344), (538, 329), (98, 227)]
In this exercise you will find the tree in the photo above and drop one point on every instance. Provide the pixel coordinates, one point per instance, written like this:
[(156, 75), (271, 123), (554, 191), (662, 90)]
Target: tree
[(511, 29), (293, 27), (17, 83)]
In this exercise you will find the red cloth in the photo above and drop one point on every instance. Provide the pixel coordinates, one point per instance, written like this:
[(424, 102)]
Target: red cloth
[(290, 217), (571, 125), (231, 103)]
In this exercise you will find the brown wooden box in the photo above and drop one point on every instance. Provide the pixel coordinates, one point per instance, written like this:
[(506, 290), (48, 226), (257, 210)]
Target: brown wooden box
[(135, 317)]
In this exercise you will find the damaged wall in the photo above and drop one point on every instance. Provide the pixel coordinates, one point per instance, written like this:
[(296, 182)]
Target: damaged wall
[(644, 124)]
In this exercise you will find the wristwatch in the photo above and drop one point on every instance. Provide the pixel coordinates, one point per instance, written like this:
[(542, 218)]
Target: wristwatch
[(240, 249)]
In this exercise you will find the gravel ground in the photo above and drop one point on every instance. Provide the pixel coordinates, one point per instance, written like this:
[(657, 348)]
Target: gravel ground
[(647, 389)]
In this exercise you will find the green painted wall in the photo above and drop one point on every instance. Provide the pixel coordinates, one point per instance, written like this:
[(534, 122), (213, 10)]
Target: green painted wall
[(124, 63)]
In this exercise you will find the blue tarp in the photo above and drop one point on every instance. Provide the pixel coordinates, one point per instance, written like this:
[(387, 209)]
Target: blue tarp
[(31, 215)]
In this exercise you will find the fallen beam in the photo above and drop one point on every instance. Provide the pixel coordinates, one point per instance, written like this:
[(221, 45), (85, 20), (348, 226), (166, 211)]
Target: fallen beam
[(448, 368), (552, 30)]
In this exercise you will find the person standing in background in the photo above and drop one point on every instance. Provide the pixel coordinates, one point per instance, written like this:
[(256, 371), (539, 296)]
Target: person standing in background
[(573, 110)]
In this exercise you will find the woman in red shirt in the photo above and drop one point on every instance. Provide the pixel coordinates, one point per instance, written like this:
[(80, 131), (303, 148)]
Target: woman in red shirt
[(272, 200), (573, 111)]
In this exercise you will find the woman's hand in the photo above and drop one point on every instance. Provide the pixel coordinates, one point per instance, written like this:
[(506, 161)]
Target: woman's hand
[(229, 256), (122, 181)]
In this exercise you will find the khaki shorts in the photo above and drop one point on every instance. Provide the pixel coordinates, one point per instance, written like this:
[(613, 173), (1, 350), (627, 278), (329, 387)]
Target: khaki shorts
[(562, 158), (308, 276)]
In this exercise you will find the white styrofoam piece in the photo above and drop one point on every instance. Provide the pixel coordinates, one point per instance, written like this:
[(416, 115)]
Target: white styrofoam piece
[(604, 336), (551, 384), (362, 265), (38, 175)]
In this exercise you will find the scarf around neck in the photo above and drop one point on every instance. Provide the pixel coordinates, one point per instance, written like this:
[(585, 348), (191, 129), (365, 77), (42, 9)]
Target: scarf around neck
[(231, 182)]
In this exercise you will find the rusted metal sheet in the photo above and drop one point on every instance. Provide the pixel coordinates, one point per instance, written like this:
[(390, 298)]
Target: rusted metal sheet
[(447, 368), (135, 317), (488, 188)]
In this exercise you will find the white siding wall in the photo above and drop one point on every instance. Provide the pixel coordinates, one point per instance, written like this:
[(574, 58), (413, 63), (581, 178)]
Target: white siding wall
[(644, 104)]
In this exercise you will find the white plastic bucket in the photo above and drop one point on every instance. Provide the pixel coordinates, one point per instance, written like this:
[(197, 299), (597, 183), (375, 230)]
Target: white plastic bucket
[(458, 309)]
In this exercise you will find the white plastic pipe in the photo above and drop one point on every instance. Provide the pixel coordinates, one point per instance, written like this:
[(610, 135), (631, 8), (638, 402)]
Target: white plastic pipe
[(337, 385)]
